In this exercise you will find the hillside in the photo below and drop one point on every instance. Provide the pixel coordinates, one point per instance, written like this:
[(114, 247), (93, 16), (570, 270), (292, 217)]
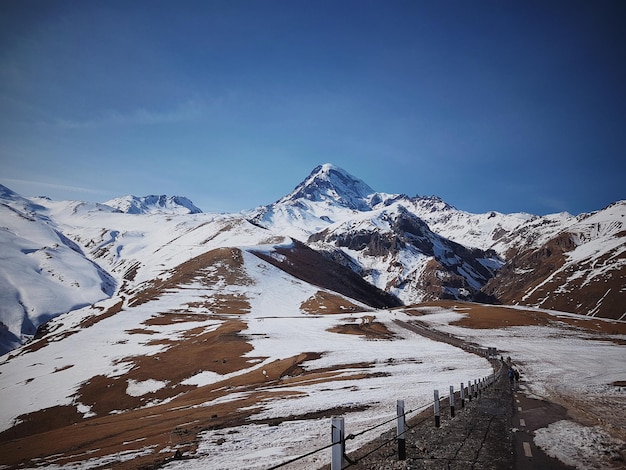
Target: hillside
[(159, 329), (415, 249)]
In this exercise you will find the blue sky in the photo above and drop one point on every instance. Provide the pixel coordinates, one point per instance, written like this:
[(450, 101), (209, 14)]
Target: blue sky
[(491, 105)]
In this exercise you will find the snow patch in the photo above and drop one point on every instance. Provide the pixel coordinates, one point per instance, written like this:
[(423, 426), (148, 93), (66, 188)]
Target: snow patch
[(580, 446), (137, 389)]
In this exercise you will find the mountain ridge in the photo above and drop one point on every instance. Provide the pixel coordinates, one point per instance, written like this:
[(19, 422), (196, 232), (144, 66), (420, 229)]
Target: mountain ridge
[(414, 248), (148, 334), (153, 204)]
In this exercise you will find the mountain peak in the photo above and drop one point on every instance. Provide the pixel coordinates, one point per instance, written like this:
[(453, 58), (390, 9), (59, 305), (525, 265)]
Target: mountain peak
[(154, 204), (330, 183)]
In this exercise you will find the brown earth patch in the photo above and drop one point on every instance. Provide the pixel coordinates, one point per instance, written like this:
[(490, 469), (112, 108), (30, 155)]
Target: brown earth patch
[(215, 267), (482, 316), (302, 377), (163, 427), (38, 422), (140, 331), (329, 303), (224, 304), (220, 351), (595, 324), (372, 330), (92, 320), (170, 318), (487, 317)]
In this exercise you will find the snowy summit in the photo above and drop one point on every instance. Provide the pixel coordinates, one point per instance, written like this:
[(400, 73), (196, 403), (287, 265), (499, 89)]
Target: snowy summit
[(332, 185), (154, 205)]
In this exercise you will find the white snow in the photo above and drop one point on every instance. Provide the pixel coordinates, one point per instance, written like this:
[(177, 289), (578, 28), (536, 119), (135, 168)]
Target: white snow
[(59, 257), (139, 388), (581, 447)]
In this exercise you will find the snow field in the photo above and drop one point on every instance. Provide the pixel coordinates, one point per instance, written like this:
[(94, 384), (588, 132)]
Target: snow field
[(568, 366)]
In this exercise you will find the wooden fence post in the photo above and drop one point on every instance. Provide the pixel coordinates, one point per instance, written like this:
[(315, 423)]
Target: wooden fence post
[(452, 401), (339, 444), (400, 433), (437, 415)]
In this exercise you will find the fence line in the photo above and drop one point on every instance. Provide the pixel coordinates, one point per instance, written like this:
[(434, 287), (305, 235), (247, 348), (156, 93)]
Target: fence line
[(338, 437)]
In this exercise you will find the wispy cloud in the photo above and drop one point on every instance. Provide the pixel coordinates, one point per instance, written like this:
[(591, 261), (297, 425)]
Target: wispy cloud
[(553, 204), (54, 186), (138, 117)]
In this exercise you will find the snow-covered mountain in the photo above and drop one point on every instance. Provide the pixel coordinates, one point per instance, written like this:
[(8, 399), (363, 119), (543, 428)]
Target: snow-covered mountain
[(42, 273), (396, 251), (573, 264), (149, 332), (61, 255), (154, 205), (329, 194), (421, 248)]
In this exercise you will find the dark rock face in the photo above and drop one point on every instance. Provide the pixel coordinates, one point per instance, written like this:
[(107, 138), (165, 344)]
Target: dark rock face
[(454, 272)]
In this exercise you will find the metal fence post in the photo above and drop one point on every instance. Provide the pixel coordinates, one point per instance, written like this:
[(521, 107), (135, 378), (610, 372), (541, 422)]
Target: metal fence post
[(338, 447), (437, 415), (462, 396), (452, 401), (401, 429)]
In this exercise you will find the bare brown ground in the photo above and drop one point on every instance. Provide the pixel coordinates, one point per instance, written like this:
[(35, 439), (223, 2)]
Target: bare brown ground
[(482, 316), (90, 321), (61, 432), (328, 303), (222, 265), (224, 304), (169, 318), (124, 423), (372, 330)]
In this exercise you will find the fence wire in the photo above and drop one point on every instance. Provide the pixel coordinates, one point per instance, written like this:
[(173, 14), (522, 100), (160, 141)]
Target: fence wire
[(493, 377)]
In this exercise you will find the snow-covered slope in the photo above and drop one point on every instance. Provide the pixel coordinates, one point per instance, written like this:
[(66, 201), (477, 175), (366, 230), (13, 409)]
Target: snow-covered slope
[(574, 264), (415, 248), (42, 272), (154, 205), (396, 251), (183, 322)]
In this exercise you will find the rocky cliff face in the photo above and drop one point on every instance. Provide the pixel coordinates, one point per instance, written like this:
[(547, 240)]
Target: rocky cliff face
[(578, 266), (397, 252), (421, 248)]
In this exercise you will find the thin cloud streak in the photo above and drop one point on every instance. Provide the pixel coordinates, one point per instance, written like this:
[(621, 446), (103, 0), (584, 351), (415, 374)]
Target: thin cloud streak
[(139, 117), (60, 187)]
